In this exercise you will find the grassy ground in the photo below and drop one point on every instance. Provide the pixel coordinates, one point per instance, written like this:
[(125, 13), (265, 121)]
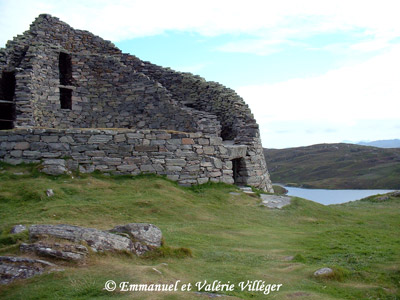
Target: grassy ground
[(232, 238), (335, 166)]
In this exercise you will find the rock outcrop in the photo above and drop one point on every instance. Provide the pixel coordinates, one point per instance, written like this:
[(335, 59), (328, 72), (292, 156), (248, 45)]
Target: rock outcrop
[(98, 240), (68, 243)]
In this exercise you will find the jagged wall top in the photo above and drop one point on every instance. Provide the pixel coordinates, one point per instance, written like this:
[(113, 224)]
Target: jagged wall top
[(51, 30)]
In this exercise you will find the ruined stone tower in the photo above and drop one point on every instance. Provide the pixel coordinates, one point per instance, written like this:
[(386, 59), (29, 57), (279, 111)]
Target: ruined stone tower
[(68, 93)]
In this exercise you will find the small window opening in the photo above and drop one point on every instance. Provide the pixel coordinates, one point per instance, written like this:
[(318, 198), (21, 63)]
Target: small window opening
[(66, 98), (227, 133), (65, 68), (7, 104), (8, 85)]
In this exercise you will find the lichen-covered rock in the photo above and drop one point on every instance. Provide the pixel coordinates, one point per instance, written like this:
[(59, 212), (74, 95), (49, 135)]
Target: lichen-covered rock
[(143, 232), (12, 268), (98, 240)]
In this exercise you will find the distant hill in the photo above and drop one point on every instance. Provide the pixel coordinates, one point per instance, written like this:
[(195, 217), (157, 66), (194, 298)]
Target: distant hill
[(331, 166), (382, 143)]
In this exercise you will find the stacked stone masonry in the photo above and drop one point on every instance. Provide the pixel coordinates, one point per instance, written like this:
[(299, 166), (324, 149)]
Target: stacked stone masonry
[(189, 158), (60, 85)]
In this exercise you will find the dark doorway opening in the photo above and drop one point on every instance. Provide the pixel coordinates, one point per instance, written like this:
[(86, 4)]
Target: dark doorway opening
[(65, 68), (66, 98), (7, 104), (237, 165)]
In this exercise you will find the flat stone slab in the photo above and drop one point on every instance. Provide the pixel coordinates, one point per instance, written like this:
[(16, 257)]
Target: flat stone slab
[(236, 151), (275, 201), (246, 189)]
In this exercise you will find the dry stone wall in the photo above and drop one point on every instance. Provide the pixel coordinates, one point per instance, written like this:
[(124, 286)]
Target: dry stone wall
[(237, 122), (192, 91), (70, 79), (189, 158), (110, 95)]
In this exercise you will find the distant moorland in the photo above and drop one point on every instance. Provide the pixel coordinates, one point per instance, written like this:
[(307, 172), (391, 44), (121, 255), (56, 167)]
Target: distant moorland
[(335, 166), (382, 143)]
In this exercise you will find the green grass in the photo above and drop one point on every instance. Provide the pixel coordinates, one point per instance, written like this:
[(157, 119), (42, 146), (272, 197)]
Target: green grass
[(335, 166), (209, 234), (280, 190)]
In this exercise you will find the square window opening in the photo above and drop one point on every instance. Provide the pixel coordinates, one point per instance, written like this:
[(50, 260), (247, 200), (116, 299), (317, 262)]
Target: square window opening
[(66, 98), (65, 68)]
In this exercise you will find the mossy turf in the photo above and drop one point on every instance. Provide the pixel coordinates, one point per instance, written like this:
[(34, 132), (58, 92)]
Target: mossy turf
[(209, 234)]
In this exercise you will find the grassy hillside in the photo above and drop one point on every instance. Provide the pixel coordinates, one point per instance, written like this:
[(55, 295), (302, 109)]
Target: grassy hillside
[(231, 236), (335, 166)]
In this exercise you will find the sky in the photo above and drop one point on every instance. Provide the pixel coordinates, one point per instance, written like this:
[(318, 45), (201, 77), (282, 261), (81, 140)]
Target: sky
[(311, 71)]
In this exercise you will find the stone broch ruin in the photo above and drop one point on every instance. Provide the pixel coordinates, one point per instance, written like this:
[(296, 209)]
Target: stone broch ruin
[(73, 101)]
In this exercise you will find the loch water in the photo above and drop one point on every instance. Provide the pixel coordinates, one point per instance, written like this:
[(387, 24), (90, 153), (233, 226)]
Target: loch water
[(327, 197)]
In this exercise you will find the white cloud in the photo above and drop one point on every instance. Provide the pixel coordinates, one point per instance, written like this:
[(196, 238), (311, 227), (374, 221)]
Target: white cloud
[(340, 98), (284, 134), (255, 46), (276, 20), (337, 99), (191, 68)]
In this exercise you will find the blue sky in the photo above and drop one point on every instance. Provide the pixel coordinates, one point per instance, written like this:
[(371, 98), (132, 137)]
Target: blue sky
[(311, 71)]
